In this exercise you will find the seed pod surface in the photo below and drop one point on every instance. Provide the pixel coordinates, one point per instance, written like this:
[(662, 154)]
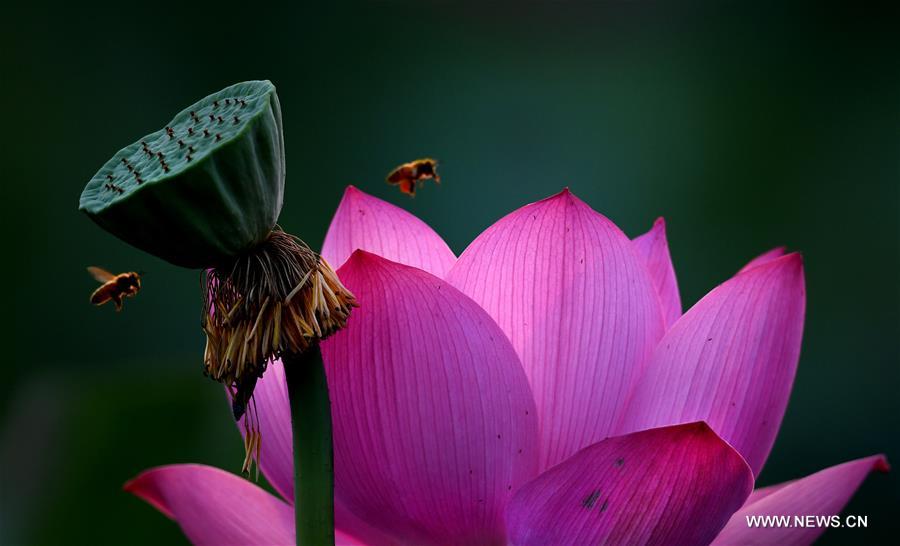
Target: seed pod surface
[(205, 188)]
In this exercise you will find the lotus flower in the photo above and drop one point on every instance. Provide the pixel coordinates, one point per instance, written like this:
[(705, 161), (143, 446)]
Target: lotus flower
[(543, 388)]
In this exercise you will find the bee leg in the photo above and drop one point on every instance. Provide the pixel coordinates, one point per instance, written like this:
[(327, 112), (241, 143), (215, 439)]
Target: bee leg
[(118, 301)]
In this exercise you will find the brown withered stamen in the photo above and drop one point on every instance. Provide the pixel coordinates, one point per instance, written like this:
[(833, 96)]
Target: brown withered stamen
[(278, 298)]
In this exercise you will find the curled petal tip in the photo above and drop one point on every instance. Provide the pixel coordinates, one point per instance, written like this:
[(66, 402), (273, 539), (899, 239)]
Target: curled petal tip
[(565, 192), (765, 258), (702, 429), (791, 260), (134, 484), (361, 256), (142, 487), (698, 427), (794, 258), (354, 195), (564, 195)]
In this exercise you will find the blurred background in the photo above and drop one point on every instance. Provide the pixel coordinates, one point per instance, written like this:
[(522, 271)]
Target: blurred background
[(747, 128)]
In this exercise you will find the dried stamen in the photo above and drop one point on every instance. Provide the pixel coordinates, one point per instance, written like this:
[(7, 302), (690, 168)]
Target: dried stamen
[(280, 297)]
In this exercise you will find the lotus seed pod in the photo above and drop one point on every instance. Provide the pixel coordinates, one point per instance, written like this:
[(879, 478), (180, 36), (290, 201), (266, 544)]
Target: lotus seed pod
[(205, 188)]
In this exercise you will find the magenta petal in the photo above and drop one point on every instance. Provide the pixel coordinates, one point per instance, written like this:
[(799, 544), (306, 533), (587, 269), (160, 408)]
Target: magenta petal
[(730, 360), (343, 539), (215, 507), (567, 287), (824, 493), (763, 492), (277, 460), (434, 422), (368, 223), (672, 485), (273, 413), (653, 248), (765, 257), (350, 526)]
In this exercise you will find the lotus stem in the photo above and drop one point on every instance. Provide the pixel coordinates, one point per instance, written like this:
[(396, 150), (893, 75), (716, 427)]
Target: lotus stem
[(313, 450)]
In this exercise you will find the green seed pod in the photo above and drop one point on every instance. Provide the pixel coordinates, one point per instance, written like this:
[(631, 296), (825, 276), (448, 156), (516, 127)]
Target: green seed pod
[(205, 188)]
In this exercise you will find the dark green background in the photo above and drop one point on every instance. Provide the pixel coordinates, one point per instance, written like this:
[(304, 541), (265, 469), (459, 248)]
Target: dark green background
[(746, 128)]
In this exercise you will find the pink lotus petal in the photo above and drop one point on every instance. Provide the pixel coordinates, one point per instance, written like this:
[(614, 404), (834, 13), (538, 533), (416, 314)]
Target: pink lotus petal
[(434, 423), (763, 492), (273, 411), (730, 360), (824, 493), (215, 507), (765, 257), (343, 539), (348, 525), (654, 249), (368, 223), (277, 459), (567, 287), (672, 485)]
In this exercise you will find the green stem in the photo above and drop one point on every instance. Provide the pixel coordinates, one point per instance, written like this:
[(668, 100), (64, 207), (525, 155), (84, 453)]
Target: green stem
[(313, 451)]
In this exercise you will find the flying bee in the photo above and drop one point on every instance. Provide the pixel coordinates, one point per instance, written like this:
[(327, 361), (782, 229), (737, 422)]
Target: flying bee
[(115, 288), (409, 175)]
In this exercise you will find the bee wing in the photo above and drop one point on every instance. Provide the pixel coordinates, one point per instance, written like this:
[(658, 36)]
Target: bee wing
[(101, 295), (100, 274), (395, 176)]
